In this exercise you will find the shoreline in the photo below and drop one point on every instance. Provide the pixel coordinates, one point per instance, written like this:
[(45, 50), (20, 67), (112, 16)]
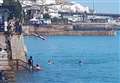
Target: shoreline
[(74, 33), (65, 30)]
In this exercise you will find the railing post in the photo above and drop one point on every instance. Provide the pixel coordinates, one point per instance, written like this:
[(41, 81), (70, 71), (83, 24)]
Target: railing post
[(20, 63), (17, 64)]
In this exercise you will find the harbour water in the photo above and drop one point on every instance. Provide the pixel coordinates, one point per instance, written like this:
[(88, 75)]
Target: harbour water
[(99, 55)]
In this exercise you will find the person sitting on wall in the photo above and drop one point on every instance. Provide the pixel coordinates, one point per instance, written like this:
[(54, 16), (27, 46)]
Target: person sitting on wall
[(11, 26), (18, 27), (3, 52)]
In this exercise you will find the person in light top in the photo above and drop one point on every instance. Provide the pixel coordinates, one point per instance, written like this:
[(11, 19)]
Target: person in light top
[(38, 67), (3, 52)]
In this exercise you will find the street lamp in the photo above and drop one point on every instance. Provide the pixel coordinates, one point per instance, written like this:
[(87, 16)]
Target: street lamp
[(93, 6)]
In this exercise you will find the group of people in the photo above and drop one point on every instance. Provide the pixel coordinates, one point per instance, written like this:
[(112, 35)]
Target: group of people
[(14, 25), (36, 67), (31, 66)]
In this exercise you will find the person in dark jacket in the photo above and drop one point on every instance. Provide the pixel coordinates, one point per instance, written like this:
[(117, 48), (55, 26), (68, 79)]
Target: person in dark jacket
[(30, 62)]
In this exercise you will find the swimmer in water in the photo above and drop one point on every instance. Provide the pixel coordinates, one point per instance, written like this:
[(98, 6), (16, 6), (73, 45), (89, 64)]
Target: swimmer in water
[(80, 62), (50, 62), (37, 68)]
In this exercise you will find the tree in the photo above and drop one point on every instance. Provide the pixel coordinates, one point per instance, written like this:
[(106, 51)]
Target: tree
[(34, 0), (46, 16), (14, 7)]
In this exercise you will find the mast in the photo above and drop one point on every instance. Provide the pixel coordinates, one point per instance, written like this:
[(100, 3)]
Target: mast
[(93, 6)]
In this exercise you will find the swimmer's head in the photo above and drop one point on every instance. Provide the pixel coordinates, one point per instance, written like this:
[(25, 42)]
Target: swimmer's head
[(80, 61), (50, 62), (37, 65), (30, 57)]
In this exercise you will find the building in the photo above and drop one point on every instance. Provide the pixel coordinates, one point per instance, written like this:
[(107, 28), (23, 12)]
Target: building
[(1, 1)]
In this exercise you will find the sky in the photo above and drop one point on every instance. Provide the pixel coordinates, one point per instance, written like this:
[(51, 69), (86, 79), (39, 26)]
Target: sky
[(102, 6), (1, 1)]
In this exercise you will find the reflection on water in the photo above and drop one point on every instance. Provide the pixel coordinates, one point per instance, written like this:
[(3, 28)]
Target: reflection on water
[(99, 56)]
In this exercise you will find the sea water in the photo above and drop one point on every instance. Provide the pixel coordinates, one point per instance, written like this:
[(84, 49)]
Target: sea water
[(99, 56)]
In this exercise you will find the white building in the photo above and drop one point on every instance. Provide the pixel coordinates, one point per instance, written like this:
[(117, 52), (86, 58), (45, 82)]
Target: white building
[(1, 1), (57, 5), (52, 7)]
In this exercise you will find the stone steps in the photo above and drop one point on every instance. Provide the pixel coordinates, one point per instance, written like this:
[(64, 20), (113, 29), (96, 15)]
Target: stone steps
[(10, 76)]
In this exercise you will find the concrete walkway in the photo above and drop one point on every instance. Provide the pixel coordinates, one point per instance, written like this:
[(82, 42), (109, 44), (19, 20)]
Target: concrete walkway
[(17, 47)]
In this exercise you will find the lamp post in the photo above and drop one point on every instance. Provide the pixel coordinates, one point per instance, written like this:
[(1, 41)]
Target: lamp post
[(93, 6)]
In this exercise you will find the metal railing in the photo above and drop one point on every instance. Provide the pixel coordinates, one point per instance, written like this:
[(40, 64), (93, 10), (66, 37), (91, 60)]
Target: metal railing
[(15, 64), (18, 64)]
